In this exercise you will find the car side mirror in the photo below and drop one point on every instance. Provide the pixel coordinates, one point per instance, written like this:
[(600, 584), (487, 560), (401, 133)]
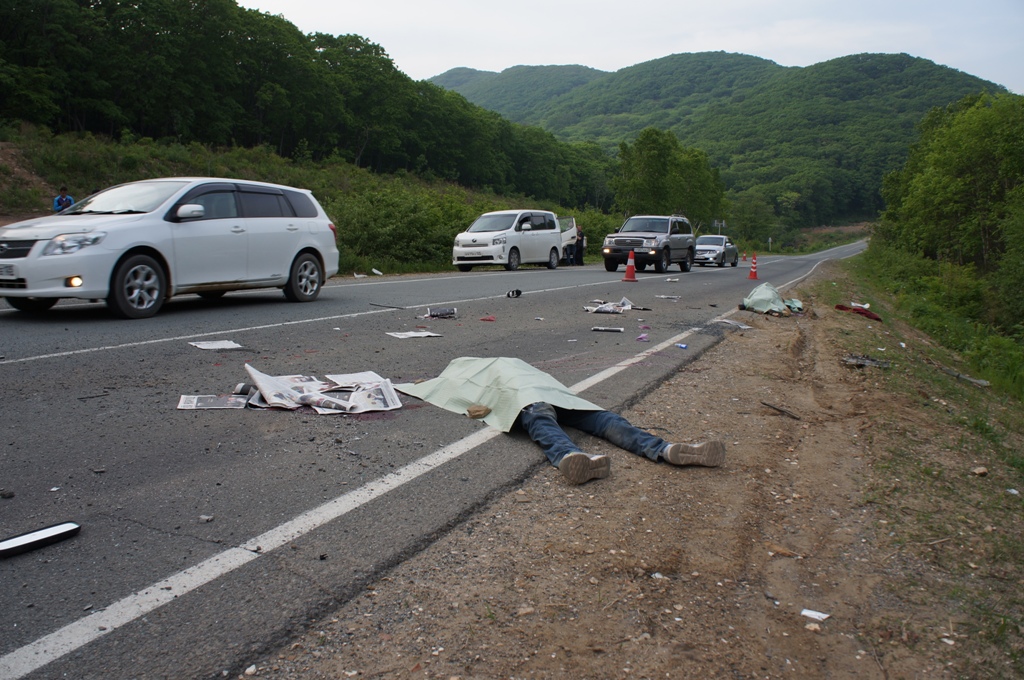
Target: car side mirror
[(191, 211), (526, 226)]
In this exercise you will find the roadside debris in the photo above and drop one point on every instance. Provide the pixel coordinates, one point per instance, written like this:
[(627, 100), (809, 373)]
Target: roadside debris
[(514, 293), (782, 410), (960, 376), (608, 329), (440, 313), (863, 311), (602, 307), (404, 335), (811, 614), (378, 273), (216, 344), (340, 393), (860, 361), (37, 538), (733, 322)]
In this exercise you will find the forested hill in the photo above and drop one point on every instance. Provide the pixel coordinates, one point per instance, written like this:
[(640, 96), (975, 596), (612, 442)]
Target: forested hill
[(516, 91), (815, 140)]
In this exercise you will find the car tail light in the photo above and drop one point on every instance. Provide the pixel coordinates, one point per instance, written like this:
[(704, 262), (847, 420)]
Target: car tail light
[(334, 229)]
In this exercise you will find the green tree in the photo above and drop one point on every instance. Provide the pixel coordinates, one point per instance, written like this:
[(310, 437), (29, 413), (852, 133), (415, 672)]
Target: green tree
[(657, 175)]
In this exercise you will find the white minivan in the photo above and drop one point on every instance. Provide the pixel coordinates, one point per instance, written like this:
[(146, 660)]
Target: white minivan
[(510, 238)]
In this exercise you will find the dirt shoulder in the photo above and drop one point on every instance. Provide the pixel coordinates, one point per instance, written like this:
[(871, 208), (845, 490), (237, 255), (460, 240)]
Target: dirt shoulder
[(855, 497)]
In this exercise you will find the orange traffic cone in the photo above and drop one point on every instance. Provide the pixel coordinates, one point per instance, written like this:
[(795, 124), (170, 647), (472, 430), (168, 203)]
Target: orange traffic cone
[(630, 269), (744, 256), (753, 267)]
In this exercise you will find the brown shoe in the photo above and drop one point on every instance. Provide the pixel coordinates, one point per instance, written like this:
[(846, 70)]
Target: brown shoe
[(708, 454), (579, 467)]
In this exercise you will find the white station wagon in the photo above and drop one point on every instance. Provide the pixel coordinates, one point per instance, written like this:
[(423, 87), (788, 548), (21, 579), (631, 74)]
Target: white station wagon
[(135, 245)]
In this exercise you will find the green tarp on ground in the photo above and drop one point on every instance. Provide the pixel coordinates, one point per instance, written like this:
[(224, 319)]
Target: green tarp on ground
[(766, 298), (504, 385)]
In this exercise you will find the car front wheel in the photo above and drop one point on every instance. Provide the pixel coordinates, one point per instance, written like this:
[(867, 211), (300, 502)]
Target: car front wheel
[(513, 260), (687, 262), (735, 261), (31, 305), (610, 265), (138, 288), (305, 280), (553, 259), (664, 262)]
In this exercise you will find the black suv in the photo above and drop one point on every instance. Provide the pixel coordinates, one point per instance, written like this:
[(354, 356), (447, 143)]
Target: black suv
[(654, 239)]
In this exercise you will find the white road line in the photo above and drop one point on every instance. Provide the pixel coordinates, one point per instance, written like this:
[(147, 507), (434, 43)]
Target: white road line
[(244, 329), (48, 648)]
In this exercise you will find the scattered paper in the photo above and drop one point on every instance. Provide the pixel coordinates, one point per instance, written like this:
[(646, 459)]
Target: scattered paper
[(811, 614), (378, 273), (191, 402), (364, 391), (414, 334), (216, 344)]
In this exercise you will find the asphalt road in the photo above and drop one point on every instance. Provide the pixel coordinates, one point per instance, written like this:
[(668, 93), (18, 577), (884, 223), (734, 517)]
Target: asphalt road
[(209, 537)]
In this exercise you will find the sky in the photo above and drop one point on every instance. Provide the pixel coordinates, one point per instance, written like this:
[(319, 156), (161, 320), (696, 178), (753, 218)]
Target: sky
[(984, 38)]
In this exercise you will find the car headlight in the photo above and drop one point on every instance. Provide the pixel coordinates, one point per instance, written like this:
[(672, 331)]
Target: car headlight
[(499, 240), (650, 243), (72, 243), (608, 241)]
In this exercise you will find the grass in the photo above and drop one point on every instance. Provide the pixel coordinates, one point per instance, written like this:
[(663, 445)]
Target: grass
[(958, 534)]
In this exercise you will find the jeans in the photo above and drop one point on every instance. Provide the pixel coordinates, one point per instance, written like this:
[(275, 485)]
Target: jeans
[(541, 421)]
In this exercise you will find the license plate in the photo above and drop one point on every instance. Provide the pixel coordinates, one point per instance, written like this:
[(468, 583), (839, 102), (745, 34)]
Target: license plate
[(8, 271)]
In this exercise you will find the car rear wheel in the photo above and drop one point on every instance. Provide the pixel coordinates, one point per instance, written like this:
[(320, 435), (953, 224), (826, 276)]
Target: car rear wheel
[(464, 267), (513, 260), (553, 259), (687, 263), (305, 280), (32, 305), (138, 288), (610, 265)]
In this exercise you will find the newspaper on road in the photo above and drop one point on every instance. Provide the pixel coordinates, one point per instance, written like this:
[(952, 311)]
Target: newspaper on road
[(340, 393), (336, 393)]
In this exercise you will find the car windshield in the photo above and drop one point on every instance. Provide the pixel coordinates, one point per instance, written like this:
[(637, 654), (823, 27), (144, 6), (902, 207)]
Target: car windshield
[(137, 197), (655, 224), (711, 240), (493, 222)]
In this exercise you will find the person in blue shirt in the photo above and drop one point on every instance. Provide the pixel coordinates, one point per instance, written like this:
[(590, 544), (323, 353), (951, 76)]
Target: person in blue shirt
[(62, 201)]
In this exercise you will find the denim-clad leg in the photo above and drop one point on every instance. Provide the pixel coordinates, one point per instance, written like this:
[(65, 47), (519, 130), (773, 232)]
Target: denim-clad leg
[(541, 423), (616, 429)]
